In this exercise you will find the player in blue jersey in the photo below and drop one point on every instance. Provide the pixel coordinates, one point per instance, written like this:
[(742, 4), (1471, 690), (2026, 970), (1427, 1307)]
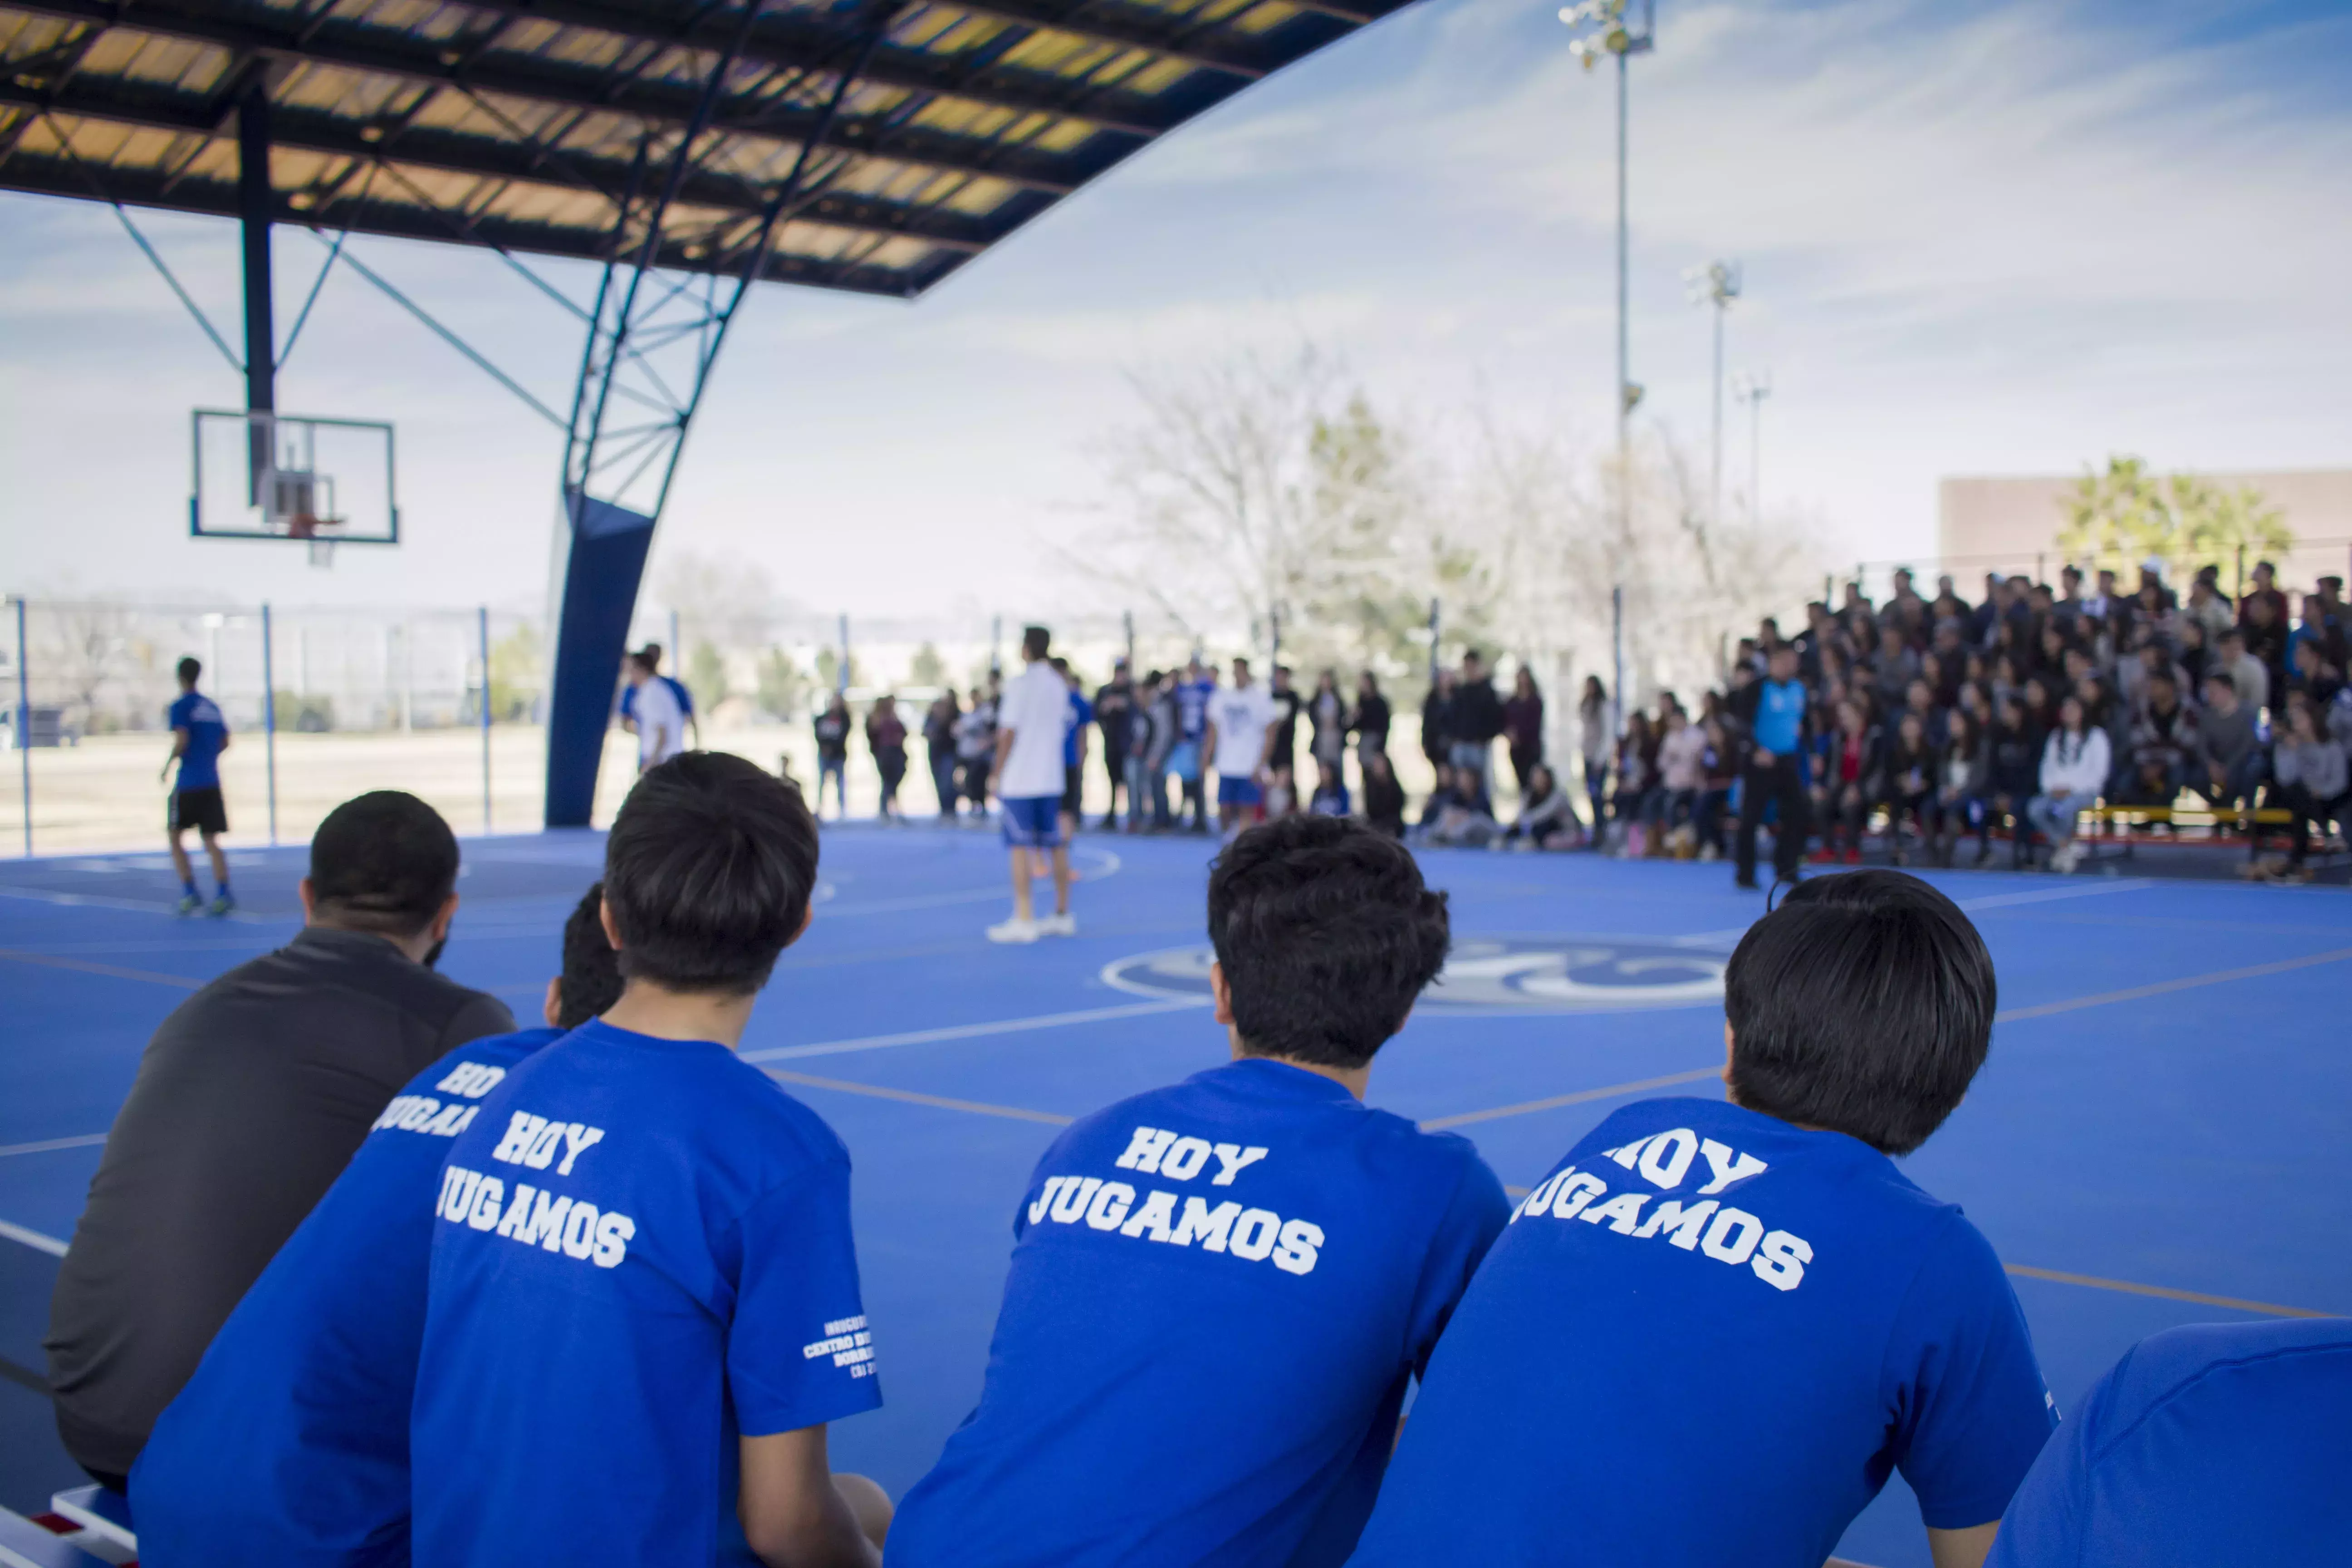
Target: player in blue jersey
[(1220, 1290), (199, 735), (289, 1445), (643, 1306), (1713, 1331), (2217, 1443)]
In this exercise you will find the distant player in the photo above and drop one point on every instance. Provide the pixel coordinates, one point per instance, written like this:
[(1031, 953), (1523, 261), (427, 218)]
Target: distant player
[(1074, 751), (199, 735), (1242, 718), (651, 654), (654, 715), (289, 1445), (1028, 781)]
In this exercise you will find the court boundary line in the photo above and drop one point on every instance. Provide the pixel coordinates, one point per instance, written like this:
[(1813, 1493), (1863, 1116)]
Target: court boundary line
[(915, 1097), (111, 970), (2184, 983), (35, 1239), (973, 1031), (45, 1145), (1467, 1118), (2133, 1288)]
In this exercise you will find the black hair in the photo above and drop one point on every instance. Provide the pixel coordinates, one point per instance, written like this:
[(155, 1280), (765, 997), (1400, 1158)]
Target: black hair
[(2221, 677), (189, 670), (708, 872), (590, 981), (1034, 641), (1863, 1003), (1326, 933), (650, 654), (383, 862)]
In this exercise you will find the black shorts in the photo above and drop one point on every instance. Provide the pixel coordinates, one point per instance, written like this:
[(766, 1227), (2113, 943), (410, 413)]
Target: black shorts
[(200, 809), (1074, 785)]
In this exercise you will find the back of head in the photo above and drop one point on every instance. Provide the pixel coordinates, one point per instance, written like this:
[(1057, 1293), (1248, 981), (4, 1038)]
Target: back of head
[(1327, 935), (383, 862), (708, 872), (1864, 1004), (1036, 641), (590, 981), (188, 671)]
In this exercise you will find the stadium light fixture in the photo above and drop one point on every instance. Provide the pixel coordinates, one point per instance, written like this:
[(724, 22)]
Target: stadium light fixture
[(1716, 284), (1752, 387), (1609, 27)]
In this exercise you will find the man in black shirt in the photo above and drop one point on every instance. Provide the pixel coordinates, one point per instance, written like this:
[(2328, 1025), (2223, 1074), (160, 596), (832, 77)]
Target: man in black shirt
[(250, 1099), (1114, 715), (1284, 752)]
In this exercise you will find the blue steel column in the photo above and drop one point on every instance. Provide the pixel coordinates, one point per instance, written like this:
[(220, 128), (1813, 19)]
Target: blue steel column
[(24, 726), (269, 718)]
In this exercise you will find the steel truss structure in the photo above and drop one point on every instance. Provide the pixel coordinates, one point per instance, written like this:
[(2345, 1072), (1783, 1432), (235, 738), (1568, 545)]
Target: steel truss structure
[(691, 147)]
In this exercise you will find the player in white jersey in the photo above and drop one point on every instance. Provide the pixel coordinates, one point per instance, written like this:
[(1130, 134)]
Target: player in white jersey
[(1242, 719), (659, 722), (1031, 721)]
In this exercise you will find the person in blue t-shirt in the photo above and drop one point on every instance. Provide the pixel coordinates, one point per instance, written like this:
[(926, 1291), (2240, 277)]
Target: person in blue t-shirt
[(1190, 765), (1220, 1290), (1711, 1332), (289, 1445), (2218, 1443), (1773, 710), (1074, 753), (643, 1306), (199, 735)]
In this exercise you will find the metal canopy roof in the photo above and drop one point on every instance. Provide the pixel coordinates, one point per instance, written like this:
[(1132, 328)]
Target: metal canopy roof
[(520, 124)]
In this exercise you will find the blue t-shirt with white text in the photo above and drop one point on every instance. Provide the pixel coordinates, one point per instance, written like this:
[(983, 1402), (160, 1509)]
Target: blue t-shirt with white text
[(1707, 1338), (1192, 707), (208, 738), (1219, 1291), (289, 1445), (2217, 1443), (1082, 713), (645, 1254)]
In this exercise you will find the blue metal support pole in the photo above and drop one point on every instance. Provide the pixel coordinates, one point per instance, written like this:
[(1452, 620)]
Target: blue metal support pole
[(482, 642), (1434, 627), (841, 671), (269, 718), (24, 726), (253, 202)]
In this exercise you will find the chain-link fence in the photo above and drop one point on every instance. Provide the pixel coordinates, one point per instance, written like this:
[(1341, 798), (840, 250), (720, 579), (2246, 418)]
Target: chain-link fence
[(324, 704)]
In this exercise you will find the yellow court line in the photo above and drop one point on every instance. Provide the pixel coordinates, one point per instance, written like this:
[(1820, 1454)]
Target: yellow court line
[(2129, 1288), (2186, 982), (976, 1107), (1465, 1118), (114, 972)]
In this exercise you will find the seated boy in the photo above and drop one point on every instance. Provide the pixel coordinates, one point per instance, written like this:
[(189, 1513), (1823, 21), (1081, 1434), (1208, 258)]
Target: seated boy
[(1220, 1290), (1710, 1333), (643, 1304), (289, 1445), (2218, 1443)]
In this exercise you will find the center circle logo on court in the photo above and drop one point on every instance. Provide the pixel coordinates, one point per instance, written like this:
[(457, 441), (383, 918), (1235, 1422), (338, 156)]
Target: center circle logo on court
[(1526, 974)]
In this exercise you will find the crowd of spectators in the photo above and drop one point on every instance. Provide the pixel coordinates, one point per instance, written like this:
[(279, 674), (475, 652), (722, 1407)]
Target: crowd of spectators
[(1914, 724)]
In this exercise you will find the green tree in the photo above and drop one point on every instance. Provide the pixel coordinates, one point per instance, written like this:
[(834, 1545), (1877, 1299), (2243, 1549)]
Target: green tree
[(782, 684), (706, 677), (928, 668), (828, 670), (515, 673), (2129, 514)]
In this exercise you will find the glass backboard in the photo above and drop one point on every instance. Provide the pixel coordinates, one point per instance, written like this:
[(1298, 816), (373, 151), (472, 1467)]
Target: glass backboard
[(286, 475)]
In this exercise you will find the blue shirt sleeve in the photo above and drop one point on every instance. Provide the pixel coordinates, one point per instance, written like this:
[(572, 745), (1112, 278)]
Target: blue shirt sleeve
[(799, 1352), (2044, 1525), (1973, 1411), (1473, 1220)]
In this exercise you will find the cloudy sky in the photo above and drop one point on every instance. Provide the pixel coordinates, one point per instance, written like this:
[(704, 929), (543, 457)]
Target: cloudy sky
[(1981, 238)]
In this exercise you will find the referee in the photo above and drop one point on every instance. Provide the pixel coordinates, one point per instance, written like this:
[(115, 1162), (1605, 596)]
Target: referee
[(199, 735)]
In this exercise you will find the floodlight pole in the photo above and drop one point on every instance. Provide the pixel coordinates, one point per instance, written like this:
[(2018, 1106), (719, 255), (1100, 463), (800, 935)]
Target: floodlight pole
[(1753, 388)]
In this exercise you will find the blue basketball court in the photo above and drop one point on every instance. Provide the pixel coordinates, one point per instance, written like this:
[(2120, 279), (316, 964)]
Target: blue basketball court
[(2153, 1142)]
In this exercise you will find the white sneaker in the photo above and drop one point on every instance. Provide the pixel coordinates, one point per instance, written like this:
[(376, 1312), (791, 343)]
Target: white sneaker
[(1015, 930), (1058, 925), (2066, 860)]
